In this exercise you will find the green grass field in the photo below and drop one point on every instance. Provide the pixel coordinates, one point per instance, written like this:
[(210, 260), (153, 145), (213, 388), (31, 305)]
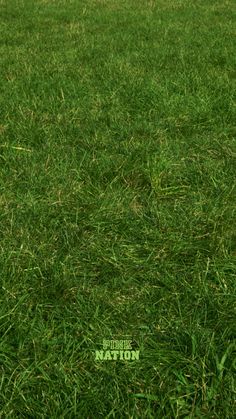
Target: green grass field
[(117, 208)]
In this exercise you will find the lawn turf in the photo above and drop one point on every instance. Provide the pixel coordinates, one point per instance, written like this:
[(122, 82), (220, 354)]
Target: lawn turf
[(117, 207)]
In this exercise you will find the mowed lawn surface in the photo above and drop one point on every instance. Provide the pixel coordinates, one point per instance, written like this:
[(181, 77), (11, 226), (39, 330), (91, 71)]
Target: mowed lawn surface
[(117, 208)]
